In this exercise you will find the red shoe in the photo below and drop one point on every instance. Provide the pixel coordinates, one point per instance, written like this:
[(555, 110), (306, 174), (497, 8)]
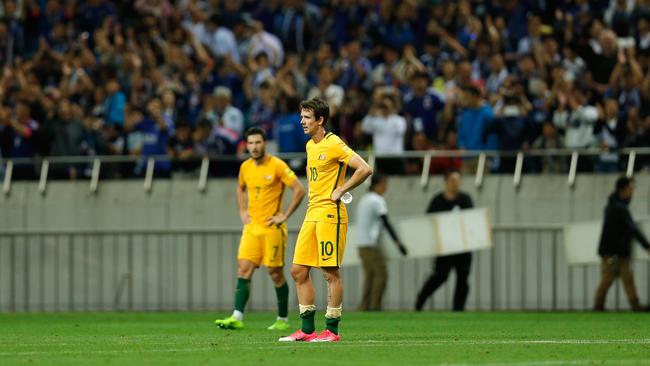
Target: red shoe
[(299, 336), (327, 336)]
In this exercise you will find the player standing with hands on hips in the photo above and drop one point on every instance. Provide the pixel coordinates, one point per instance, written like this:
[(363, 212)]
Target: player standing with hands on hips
[(321, 241), (264, 237)]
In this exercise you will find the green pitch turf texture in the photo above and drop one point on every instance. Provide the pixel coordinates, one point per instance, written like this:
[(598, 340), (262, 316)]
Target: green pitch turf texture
[(388, 338)]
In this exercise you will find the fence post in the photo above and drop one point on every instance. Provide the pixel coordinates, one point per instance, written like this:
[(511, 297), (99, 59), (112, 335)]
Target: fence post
[(148, 177), (572, 169), (94, 175), (424, 179), (480, 170), (42, 183), (9, 169)]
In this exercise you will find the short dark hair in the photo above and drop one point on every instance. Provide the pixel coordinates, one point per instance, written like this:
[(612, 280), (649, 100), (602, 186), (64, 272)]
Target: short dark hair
[(319, 107), (376, 179), (623, 182), (254, 131)]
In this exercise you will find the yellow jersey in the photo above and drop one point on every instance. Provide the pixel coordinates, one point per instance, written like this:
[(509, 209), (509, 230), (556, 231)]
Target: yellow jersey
[(265, 185), (327, 162)]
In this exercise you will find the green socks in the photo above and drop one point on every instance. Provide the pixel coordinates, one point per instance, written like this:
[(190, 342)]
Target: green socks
[(308, 326), (282, 294), (241, 293), (332, 324)]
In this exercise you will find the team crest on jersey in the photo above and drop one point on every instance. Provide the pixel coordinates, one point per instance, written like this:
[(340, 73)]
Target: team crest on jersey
[(322, 157), (268, 177)]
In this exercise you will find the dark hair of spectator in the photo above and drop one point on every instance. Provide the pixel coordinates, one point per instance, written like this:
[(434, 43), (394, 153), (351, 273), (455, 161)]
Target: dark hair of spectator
[(376, 179), (255, 131), (204, 123), (622, 183), (474, 90), (319, 107)]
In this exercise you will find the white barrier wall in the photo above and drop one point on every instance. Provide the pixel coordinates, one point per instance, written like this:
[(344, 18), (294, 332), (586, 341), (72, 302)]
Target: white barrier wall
[(525, 269)]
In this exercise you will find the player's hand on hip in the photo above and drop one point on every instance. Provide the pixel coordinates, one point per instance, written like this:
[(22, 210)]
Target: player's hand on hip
[(336, 195), (245, 219), (276, 220)]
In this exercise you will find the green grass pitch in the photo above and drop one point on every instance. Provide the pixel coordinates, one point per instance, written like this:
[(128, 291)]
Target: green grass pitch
[(388, 338)]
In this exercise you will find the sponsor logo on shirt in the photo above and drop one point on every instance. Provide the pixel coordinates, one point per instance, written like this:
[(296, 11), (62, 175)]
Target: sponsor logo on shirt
[(322, 157)]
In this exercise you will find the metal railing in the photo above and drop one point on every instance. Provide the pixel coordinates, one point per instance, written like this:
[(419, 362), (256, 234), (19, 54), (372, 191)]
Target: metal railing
[(195, 269), (94, 163)]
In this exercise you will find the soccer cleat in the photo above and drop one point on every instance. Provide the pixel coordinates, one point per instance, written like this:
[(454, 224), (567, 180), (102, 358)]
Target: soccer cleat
[(327, 336), (229, 323), (299, 336), (279, 325)]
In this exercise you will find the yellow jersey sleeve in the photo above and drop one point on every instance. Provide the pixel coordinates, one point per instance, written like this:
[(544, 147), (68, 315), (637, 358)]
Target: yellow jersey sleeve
[(284, 172), (340, 150)]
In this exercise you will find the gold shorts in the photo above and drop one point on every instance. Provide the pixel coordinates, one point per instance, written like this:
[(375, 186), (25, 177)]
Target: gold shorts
[(320, 244), (263, 245)]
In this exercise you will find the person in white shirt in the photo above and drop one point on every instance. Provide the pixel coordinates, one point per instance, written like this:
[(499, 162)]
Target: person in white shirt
[(228, 115), (371, 217), (220, 40), (387, 129)]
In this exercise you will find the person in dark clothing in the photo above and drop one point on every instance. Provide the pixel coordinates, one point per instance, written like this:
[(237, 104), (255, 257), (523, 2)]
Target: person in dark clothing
[(450, 199), (615, 247)]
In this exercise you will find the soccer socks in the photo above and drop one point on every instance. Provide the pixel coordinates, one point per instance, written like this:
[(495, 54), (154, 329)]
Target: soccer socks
[(332, 319), (241, 293), (282, 294), (307, 313)]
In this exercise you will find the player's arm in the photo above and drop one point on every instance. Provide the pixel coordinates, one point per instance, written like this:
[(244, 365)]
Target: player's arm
[(361, 171), (298, 193), (243, 207)]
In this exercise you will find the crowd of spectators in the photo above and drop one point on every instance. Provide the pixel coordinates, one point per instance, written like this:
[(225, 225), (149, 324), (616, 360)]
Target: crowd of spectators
[(185, 78)]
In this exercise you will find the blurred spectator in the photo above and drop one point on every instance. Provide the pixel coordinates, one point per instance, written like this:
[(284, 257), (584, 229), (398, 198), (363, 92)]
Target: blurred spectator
[(154, 136), (180, 149), (290, 134), (264, 108), (388, 130), (550, 139), (422, 107), (19, 138), (225, 114), (473, 125), (327, 90), (511, 125), (610, 135), (577, 119), (65, 135), (114, 103)]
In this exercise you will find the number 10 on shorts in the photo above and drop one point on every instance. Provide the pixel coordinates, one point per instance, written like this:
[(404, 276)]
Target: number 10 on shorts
[(326, 248)]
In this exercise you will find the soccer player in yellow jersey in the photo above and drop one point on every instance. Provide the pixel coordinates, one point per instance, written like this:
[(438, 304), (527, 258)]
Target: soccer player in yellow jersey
[(264, 237), (321, 241)]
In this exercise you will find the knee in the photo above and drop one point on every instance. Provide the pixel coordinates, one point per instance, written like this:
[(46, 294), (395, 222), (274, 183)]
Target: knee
[(332, 276), (299, 274), (276, 275), (245, 272)]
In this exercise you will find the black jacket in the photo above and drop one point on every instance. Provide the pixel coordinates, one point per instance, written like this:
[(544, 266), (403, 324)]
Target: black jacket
[(439, 203), (619, 229)]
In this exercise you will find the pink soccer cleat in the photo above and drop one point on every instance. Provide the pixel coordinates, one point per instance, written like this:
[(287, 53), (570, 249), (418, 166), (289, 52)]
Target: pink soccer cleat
[(327, 336), (299, 336)]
